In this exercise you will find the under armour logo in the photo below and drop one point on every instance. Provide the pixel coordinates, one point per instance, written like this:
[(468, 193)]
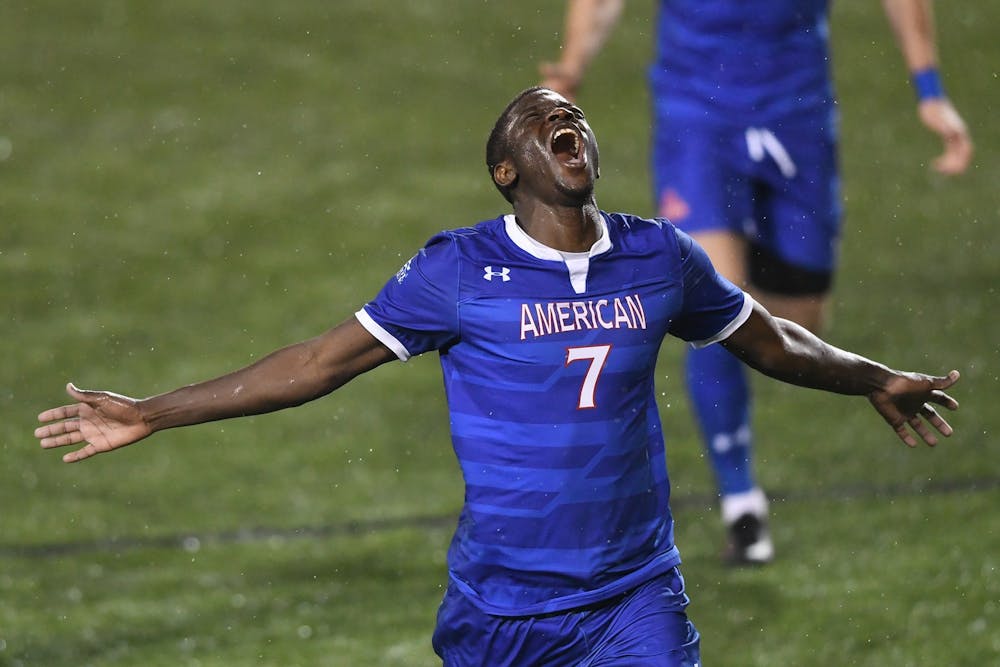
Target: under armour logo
[(503, 273)]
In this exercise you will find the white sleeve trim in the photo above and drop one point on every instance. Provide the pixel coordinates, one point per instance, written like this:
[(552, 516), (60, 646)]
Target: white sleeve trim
[(384, 337), (733, 325)]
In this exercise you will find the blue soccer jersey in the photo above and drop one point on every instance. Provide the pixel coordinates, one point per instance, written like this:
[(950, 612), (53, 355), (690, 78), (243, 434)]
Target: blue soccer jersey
[(548, 361), (764, 59)]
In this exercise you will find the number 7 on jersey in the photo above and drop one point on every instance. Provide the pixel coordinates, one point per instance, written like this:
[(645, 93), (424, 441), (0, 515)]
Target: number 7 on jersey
[(597, 355)]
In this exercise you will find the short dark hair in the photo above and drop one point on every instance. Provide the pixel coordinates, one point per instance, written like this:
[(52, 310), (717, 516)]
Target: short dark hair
[(498, 146)]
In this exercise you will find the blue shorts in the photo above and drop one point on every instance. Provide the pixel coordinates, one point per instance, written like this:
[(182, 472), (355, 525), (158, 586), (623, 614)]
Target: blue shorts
[(645, 627), (777, 185)]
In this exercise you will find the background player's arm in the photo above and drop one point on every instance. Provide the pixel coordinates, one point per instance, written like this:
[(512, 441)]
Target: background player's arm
[(588, 25), (912, 22), (788, 352), (285, 378)]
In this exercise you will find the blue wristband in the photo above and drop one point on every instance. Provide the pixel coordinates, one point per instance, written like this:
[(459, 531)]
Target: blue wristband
[(927, 84)]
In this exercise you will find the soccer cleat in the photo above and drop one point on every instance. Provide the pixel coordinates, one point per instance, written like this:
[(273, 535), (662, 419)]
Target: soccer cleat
[(749, 541)]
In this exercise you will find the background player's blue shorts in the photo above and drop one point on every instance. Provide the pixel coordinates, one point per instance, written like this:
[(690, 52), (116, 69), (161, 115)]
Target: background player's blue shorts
[(646, 627), (776, 184)]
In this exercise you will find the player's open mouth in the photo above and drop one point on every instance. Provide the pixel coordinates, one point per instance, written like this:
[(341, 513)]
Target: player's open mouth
[(567, 144)]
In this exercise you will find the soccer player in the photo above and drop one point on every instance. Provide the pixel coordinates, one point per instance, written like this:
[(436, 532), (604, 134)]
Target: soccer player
[(744, 160), (547, 322)]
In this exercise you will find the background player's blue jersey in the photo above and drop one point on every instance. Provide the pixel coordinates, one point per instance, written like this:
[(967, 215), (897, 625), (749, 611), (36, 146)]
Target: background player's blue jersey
[(548, 362), (765, 59)]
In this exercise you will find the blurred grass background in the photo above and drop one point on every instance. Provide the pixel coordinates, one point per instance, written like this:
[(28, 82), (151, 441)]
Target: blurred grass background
[(185, 186)]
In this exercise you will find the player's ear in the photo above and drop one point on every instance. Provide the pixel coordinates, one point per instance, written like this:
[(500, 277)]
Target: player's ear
[(504, 174)]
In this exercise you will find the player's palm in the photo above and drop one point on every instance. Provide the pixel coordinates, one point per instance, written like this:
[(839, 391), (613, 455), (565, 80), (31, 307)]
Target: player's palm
[(101, 419)]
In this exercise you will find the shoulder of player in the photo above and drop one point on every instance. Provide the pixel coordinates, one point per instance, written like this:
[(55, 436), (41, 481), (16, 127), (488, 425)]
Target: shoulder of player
[(628, 226), (463, 234), (450, 247), (461, 239)]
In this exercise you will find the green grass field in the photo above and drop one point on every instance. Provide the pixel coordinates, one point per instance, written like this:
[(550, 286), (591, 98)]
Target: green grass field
[(185, 186)]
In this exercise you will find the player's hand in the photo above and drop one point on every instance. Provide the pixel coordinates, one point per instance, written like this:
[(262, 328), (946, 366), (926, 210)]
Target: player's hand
[(102, 420), (905, 404), (940, 117), (557, 77)]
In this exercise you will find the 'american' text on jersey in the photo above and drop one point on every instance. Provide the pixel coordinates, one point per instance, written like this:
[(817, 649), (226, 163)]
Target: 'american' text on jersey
[(542, 319)]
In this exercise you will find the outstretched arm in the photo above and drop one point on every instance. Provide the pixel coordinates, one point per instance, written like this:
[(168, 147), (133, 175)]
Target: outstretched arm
[(588, 24), (285, 378), (912, 22), (788, 352)]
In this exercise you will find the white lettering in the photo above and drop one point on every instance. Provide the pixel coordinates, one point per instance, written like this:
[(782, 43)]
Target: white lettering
[(527, 323), (548, 319), (564, 317), (599, 306), (637, 311), (621, 317), (580, 316), (542, 319)]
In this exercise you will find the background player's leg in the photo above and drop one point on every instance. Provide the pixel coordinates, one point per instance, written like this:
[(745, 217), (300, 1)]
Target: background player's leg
[(720, 396), (808, 310), (719, 390)]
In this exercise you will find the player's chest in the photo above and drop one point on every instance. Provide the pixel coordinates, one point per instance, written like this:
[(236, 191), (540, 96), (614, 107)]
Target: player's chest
[(522, 304)]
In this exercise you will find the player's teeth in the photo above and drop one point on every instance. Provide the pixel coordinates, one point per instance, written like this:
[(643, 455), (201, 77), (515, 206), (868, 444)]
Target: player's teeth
[(576, 139)]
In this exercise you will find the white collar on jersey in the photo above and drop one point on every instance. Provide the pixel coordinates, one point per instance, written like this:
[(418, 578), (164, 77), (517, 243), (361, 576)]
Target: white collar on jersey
[(577, 263), (541, 251)]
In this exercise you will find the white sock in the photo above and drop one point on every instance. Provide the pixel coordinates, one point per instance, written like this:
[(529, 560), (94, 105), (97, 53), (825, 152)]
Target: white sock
[(736, 505)]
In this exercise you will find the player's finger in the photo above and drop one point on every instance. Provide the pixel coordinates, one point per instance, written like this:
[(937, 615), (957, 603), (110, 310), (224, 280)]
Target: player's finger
[(80, 454), (62, 412), (69, 438), (936, 420), (943, 400), (59, 434), (951, 378), (905, 435), (940, 383), (926, 434), (83, 395), (54, 429)]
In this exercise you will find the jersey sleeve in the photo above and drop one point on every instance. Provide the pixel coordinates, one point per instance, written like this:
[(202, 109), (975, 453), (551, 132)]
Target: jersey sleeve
[(713, 307), (417, 309)]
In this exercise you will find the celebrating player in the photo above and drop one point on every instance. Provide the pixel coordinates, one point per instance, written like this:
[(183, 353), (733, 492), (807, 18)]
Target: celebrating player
[(548, 322), (744, 160)]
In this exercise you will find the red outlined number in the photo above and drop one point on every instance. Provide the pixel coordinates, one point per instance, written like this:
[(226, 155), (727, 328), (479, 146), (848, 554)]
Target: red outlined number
[(597, 355)]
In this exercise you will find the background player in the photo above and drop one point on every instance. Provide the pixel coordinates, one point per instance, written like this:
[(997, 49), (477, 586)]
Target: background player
[(744, 159), (548, 324)]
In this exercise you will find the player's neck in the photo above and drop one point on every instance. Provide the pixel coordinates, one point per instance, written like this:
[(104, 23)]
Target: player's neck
[(570, 229)]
